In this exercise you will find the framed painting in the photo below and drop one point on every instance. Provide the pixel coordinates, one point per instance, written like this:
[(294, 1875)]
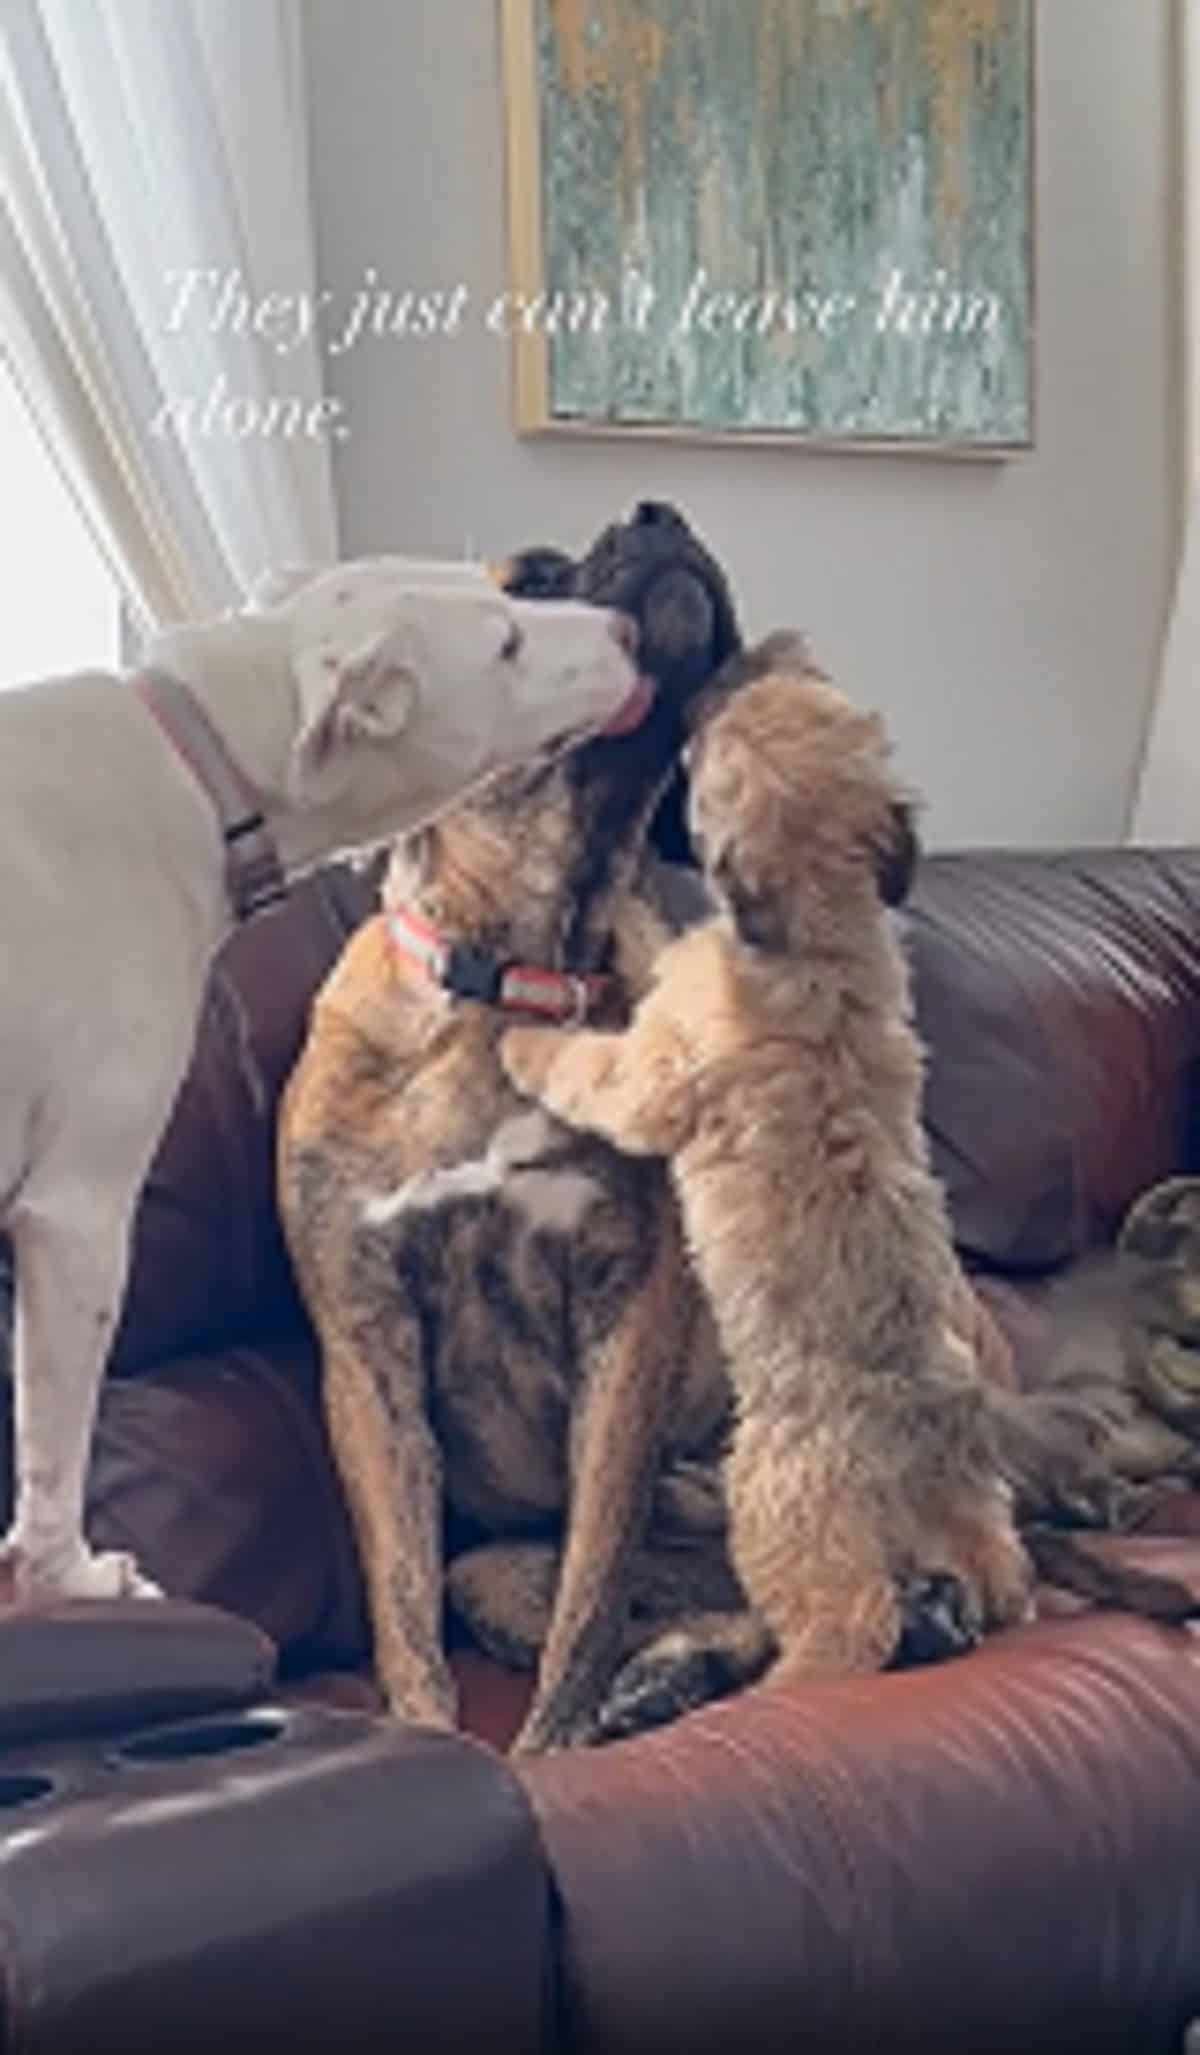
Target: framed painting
[(807, 221)]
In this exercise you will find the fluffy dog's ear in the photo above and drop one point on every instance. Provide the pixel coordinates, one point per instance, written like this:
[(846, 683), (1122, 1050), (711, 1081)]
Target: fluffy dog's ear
[(787, 650), (897, 855), (753, 900), (366, 698)]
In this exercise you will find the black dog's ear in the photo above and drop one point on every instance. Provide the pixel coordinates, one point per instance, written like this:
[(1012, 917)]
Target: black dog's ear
[(757, 913), (897, 856), (658, 513), (786, 650), (539, 574)]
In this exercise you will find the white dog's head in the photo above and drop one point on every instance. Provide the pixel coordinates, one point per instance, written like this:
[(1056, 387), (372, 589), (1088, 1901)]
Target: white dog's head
[(416, 683)]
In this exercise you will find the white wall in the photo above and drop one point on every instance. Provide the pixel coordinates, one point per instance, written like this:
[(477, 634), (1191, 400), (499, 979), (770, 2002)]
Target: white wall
[(1007, 618)]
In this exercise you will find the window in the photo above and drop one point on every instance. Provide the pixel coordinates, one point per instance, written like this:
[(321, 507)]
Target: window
[(62, 605)]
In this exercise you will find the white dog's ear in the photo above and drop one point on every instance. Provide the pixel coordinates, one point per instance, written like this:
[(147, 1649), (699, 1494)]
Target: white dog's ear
[(364, 698)]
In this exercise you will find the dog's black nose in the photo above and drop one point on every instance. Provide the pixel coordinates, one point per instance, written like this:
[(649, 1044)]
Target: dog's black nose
[(656, 513)]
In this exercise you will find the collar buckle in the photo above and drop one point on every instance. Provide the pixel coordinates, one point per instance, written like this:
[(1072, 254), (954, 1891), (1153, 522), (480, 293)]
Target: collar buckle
[(471, 974), (581, 991)]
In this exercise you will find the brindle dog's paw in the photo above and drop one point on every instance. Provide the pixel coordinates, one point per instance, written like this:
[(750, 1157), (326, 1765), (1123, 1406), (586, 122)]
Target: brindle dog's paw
[(939, 1619), (547, 1729), (675, 1675), (657, 1687)]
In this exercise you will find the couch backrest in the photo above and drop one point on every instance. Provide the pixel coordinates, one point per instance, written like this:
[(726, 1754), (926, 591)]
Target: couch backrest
[(209, 1263), (1060, 1000)]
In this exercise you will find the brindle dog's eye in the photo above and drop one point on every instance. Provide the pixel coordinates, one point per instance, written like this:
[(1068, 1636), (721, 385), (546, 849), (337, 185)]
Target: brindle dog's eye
[(513, 642)]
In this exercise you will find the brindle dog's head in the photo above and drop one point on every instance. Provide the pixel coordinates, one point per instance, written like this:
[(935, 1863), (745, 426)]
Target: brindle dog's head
[(575, 829)]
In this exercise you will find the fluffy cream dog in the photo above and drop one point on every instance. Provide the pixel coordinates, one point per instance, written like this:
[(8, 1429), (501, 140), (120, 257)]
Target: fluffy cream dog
[(774, 1063), (353, 705)]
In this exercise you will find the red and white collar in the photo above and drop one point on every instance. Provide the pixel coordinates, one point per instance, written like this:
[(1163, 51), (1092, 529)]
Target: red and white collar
[(471, 973)]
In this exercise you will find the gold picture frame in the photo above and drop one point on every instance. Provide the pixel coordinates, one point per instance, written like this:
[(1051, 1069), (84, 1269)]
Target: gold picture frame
[(524, 28)]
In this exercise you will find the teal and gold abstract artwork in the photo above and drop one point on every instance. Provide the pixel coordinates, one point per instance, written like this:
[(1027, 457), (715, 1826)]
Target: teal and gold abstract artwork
[(777, 218)]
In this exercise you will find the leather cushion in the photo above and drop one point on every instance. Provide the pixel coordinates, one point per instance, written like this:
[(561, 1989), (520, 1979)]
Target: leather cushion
[(1000, 1855), (209, 1263), (1059, 997), (215, 1473)]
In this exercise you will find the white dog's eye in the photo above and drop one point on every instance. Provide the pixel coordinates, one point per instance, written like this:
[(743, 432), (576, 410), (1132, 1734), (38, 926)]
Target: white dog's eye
[(513, 644)]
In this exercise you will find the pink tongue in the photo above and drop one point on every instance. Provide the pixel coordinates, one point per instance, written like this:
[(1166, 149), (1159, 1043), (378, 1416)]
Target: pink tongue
[(634, 711)]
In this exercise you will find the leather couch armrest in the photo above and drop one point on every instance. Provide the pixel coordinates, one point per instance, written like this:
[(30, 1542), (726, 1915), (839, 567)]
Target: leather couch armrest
[(275, 1879), (1000, 1855), (90, 1668)]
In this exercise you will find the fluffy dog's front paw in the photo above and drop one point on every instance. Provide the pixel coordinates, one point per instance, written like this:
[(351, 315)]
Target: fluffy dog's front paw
[(527, 1055), (44, 1579)]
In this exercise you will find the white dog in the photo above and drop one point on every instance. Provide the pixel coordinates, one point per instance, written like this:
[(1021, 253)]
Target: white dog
[(137, 819)]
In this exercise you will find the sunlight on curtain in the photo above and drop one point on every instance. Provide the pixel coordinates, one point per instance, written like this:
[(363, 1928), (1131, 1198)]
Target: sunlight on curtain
[(143, 142), (62, 604)]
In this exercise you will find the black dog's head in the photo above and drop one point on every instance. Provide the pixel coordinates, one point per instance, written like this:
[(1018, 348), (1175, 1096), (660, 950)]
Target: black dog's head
[(655, 568), (536, 861)]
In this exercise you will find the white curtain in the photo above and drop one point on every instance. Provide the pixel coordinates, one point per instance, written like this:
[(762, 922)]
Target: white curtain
[(1166, 807), (157, 284)]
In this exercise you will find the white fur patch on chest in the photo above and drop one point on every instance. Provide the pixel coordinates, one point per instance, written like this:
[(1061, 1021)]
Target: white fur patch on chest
[(555, 1200), (552, 1197), (431, 1189)]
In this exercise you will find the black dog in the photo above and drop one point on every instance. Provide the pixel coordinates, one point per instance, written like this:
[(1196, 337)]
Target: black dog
[(655, 568)]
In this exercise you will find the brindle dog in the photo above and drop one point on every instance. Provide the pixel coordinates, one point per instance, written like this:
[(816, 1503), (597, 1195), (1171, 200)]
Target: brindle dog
[(507, 1321)]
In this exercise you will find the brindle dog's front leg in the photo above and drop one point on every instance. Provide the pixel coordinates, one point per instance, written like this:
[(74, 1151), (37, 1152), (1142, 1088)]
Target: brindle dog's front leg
[(615, 1449), (392, 1474), (632, 1088)]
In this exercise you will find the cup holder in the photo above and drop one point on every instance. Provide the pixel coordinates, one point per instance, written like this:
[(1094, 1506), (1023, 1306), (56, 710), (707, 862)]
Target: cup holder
[(25, 1789), (205, 1738)]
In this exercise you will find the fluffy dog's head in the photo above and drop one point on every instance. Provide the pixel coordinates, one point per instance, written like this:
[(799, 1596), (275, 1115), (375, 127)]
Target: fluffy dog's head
[(796, 811), (655, 568)]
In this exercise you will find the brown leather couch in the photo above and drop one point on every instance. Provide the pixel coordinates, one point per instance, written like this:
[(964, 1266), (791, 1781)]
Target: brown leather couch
[(1000, 1856)]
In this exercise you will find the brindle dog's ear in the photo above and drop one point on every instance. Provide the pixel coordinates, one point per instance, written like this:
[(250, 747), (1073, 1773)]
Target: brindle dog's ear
[(897, 856), (412, 861), (539, 574), (758, 914)]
